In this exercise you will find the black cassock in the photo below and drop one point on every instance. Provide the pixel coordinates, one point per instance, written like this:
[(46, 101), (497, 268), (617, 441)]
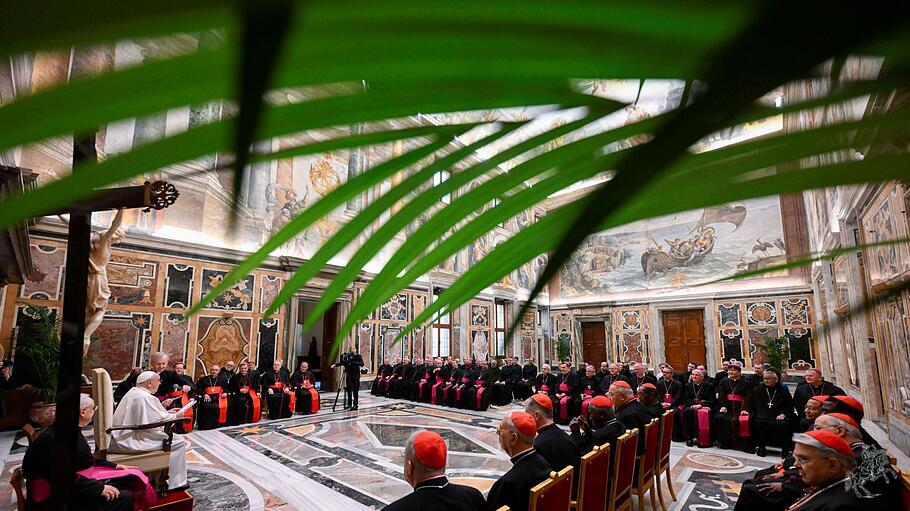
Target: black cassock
[(565, 400), (306, 396), (401, 380), (39, 464), (351, 362), (459, 396), (502, 387), (274, 387), (212, 412), (421, 373), (439, 494), (767, 404), (479, 395), (522, 388), (804, 392), (558, 449), (698, 424), (181, 399), (836, 497), (637, 381), (670, 392), (546, 384), (445, 392), (610, 379), (732, 427), (587, 389), (606, 434), (384, 371), (246, 403), (513, 489), (440, 381), (634, 415)]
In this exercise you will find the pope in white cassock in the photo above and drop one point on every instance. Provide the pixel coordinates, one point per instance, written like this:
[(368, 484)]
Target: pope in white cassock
[(139, 406)]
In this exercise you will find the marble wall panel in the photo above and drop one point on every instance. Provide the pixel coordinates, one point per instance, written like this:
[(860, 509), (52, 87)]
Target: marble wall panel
[(239, 297), (175, 335), (268, 340), (221, 339), (133, 281), (269, 286), (178, 285), (123, 340), (47, 281)]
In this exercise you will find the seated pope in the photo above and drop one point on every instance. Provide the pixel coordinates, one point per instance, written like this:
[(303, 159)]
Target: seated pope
[(140, 407)]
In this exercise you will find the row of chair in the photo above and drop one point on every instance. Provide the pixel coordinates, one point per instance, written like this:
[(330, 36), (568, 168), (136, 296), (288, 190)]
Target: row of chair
[(598, 490)]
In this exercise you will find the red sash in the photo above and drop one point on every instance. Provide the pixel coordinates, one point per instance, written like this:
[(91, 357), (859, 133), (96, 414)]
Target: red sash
[(292, 397), (480, 392), (743, 419), (588, 392), (257, 403), (545, 388), (142, 497), (563, 387), (465, 380), (184, 399), (584, 407), (439, 381), (314, 399), (668, 398), (704, 426), (564, 407), (222, 402)]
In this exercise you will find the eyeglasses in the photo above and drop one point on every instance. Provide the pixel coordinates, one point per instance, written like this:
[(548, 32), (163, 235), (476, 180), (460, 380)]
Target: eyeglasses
[(803, 460)]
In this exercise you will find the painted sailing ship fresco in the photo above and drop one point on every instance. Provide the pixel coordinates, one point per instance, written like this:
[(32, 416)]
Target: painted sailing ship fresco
[(697, 247), (677, 250)]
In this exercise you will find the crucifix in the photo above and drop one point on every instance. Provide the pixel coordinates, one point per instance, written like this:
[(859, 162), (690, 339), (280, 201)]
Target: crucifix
[(157, 195)]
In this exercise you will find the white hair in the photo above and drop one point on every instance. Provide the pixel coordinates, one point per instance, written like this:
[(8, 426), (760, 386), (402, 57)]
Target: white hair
[(158, 355), (85, 401), (622, 390), (849, 428)]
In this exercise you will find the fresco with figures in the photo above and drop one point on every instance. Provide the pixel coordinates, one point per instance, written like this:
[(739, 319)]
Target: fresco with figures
[(679, 250)]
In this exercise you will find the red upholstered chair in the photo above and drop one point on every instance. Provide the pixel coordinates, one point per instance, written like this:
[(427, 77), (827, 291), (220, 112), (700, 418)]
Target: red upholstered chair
[(905, 487), (647, 462), (663, 458), (593, 474), (623, 472), (554, 493)]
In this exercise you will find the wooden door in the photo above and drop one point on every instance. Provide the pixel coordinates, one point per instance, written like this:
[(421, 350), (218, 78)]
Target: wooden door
[(594, 342), (329, 329), (684, 337)]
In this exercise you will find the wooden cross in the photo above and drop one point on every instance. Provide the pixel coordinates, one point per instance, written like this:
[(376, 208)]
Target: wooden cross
[(157, 195)]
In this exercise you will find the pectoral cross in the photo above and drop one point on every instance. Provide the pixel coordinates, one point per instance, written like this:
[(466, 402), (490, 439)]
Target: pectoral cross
[(156, 195)]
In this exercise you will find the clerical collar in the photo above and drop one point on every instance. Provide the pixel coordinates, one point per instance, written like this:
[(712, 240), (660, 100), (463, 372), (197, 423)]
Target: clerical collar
[(436, 482), (522, 455)]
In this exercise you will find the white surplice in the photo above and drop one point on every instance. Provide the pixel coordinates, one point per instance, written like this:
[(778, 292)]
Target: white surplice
[(140, 407)]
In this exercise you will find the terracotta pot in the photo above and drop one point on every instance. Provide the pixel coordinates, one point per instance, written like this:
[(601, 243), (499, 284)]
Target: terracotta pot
[(43, 413)]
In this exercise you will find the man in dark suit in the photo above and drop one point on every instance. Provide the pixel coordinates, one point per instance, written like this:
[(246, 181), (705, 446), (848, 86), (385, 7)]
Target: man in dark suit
[(351, 362), (425, 470), (815, 385), (516, 436)]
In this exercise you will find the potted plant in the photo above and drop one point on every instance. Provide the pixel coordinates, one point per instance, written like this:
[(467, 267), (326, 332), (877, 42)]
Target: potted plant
[(39, 342), (777, 352)]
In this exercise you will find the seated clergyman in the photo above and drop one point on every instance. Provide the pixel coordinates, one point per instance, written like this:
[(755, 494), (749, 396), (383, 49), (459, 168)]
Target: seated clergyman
[(425, 470), (139, 407)]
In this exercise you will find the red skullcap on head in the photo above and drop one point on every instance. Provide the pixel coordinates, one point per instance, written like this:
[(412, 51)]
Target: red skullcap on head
[(622, 383), (851, 402), (601, 402), (524, 423), (543, 400), (430, 450), (844, 417), (821, 399), (649, 386), (830, 440)]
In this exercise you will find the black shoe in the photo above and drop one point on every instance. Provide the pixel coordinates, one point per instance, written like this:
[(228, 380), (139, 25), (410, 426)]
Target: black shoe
[(354, 408), (703, 446), (761, 452), (690, 442)]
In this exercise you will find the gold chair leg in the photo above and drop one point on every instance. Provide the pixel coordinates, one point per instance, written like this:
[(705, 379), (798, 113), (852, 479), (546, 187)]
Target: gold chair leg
[(670, 483), (653, 499), (660, 493), (641, 500)]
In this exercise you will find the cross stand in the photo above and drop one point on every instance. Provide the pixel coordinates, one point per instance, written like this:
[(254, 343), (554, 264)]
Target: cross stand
[(157, 195)]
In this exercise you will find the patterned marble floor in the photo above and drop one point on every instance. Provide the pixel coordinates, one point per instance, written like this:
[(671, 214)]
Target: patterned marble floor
[(353, 460)]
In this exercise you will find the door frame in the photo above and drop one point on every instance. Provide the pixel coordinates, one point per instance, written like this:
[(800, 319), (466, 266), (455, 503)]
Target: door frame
[(658, 348), (581, 330), (704, 335)]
